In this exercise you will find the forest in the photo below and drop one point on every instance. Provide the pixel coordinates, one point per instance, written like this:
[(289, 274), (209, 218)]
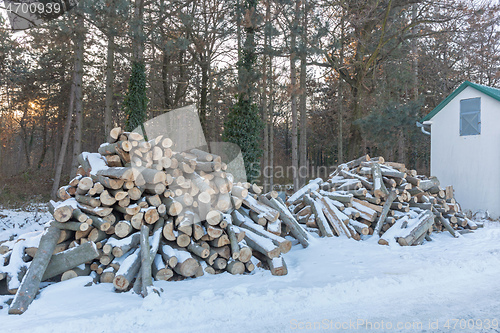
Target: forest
[(306, 84)]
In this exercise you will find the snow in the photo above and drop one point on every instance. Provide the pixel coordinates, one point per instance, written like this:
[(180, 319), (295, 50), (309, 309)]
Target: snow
[(68, 202), (313, 185), (334, 279), (96, 161), (16, 222)]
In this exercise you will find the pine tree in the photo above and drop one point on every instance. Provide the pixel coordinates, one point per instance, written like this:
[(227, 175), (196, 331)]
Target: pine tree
[(136, 101), (244, 125)]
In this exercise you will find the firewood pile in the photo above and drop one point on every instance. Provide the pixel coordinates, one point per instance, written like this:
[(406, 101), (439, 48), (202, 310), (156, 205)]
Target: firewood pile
[(369, 196), (137, 211)]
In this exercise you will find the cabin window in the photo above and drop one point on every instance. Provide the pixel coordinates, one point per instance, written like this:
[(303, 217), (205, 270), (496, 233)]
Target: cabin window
[(470, 116)]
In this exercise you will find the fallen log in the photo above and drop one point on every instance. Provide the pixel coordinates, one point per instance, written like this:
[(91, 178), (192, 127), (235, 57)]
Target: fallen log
[(31, 282)]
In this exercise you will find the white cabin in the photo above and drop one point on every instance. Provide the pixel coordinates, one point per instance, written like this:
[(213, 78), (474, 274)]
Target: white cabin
[(465, 146)]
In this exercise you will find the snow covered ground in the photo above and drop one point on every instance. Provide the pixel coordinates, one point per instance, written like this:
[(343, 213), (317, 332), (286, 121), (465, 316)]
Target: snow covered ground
[(447, 285)]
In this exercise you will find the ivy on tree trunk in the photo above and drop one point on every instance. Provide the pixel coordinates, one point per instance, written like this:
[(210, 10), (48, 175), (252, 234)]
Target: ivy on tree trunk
[(243, 126), (136, 101)]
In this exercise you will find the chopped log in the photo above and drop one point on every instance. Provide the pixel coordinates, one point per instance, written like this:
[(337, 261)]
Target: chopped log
[(126, 174), (240, 219), (160, 270), (63, 193), (261, 244), (97, 211), (60, 212), (186, 265), (174, 207), (128, 271), (88, 200), (235, 248), (198, 250), (385, 211), (335, 217), (428, 184), (31, 282), (444, 222), (63, 261), (65, 235), (235, 267), (425, 221), (168, 230), (359, 227), (363, 180), (97, 235), (123, 229), (136, 220), (277, 266), (220, 264), (71, 225), (221, 241), (130, 210), (79, 216), (110, 183), (107, 199), (374, 207), (168, 254), (239, 192), (122, 246), (213, 217), (182, 239), (151, 215), (287, 218), (100, 223), (146, 260), (313, 185), (321, 220), (75, 272), (337, 196), (223, 251), (379, 189)]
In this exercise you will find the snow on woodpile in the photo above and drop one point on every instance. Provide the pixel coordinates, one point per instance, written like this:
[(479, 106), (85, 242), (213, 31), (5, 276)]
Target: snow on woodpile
[(369, 196), (137, 211)]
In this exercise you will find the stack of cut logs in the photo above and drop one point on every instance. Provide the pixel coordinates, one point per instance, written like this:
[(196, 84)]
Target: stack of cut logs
[(138, 210), (369, 196)]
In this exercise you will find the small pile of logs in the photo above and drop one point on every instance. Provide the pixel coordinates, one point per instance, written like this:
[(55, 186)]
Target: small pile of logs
[(369, 196), (138, 211)]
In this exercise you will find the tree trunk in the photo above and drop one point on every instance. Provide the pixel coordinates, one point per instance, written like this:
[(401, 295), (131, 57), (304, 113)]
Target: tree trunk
[(293, 97), (205, 71), (137, 31), (78, 77), (265, 113), (64, 144), (303, 171), (108, 109)]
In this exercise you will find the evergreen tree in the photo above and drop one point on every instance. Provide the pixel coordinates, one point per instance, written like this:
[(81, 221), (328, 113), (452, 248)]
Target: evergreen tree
[(244, 125), (136, 101)]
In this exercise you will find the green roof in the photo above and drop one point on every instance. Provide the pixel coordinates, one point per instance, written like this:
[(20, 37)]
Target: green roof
[(490, 91)]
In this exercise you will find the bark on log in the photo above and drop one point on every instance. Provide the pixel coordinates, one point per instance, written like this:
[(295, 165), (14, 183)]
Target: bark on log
[(61, 213), (321, 220), (128, 271), (426, 219), (146, 260), (287, 218), (379, 189), (235, 267), (385, 211), (31, 282), (70, 258)]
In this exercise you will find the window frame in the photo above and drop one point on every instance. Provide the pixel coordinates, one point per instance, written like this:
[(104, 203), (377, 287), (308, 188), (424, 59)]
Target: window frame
[(462, 113)]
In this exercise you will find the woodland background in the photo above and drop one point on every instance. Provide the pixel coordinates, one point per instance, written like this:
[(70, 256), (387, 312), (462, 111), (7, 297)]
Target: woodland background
[(331, 80)]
